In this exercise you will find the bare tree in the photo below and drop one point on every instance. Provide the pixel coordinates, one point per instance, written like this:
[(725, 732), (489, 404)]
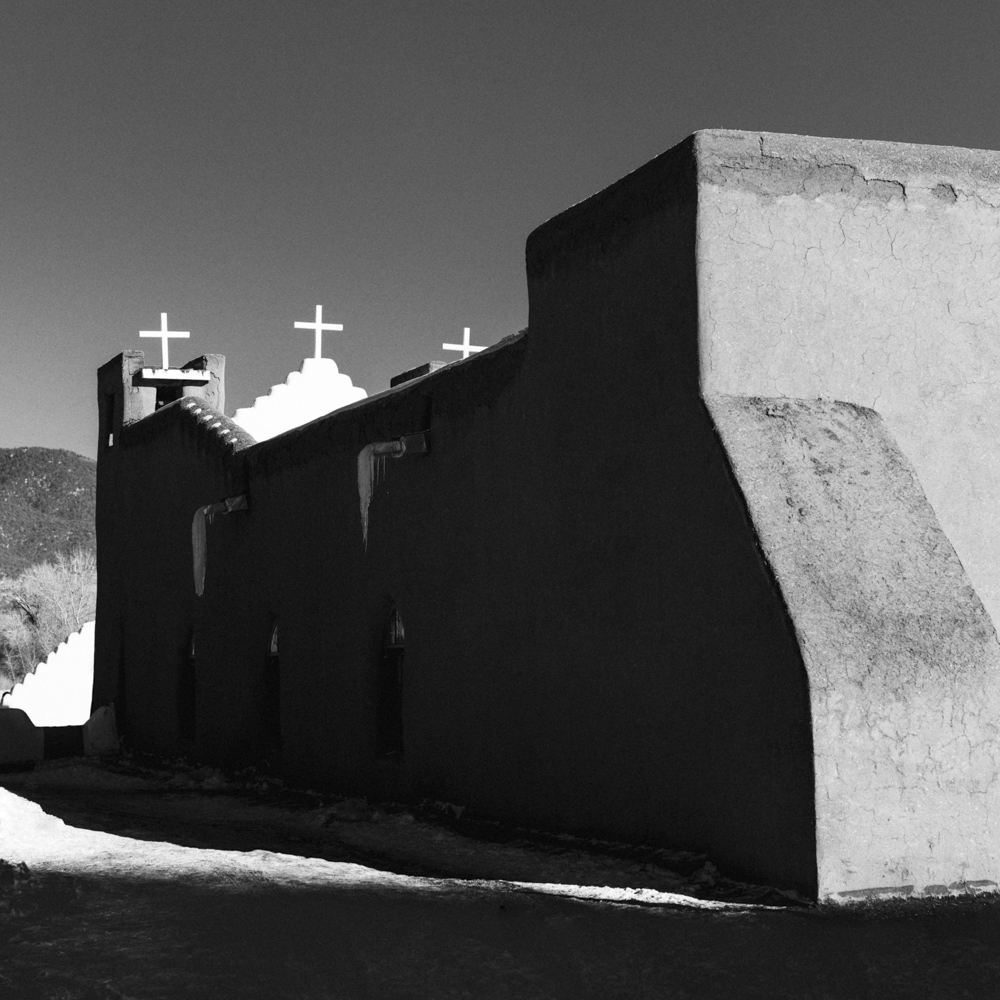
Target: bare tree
[(41, 608)]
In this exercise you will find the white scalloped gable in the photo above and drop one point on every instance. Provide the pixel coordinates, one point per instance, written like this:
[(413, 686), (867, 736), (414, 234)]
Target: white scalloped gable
[(316, 389)]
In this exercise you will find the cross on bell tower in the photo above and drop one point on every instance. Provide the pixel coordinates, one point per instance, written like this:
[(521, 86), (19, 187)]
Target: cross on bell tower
[(167, 377), (164, 334)]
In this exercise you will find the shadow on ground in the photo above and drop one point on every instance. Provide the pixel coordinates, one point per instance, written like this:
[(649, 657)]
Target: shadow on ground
[(95, 916), (77, 937)]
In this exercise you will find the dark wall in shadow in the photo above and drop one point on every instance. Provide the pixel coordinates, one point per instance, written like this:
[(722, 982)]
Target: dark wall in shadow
[(593, 640)]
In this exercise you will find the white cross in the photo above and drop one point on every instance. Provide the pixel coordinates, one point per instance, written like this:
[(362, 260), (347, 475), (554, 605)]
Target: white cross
[(164, 334), (319, 326), (465, 347)]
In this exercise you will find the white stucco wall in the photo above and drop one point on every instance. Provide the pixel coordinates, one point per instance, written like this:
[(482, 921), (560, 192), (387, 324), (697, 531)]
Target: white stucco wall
[(317, 389), (903, 661), (867, 272), (59, 692)]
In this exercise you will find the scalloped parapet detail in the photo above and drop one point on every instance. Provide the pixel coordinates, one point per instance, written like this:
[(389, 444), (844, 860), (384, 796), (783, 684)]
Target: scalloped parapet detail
[(209, 426), (58, 692), (224, 429), (318, 388)]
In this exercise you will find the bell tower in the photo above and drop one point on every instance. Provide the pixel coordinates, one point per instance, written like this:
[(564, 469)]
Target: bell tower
[(128, 392)]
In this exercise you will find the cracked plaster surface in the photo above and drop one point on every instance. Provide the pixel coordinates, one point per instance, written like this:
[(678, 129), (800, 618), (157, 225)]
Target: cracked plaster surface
[(865, 272), (903, 661)]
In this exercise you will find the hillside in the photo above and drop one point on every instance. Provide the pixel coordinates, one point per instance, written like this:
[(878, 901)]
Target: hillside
[(47, 500)]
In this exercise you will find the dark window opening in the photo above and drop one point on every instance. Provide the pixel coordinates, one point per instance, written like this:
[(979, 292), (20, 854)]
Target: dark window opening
[(390, 690), (167, 394), (121, 698), (271, 701), (186, 695), (108, 418)]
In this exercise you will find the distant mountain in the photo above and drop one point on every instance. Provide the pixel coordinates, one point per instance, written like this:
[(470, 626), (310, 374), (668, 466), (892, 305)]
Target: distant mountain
[(47, 504)]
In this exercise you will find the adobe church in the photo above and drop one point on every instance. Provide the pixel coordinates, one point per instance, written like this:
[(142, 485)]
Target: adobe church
[(706, 558)]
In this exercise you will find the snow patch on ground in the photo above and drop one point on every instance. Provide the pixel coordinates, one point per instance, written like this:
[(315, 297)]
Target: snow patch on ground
[(202, 808), (134, 890), (48, 844)]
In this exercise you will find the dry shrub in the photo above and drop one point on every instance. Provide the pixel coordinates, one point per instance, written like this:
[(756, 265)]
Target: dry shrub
[(41, 608)]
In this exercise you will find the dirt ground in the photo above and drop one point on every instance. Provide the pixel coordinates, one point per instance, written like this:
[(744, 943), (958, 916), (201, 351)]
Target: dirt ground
[(134, 878)]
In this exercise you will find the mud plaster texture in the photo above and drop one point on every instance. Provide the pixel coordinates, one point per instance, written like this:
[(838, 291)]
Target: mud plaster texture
[(901, 655), (867, 272)]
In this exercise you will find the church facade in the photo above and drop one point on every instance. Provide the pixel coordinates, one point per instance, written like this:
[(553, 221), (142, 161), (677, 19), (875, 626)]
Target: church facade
[(682, 564)]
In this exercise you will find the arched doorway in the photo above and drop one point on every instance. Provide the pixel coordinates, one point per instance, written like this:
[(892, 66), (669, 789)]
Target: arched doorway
[(389, 742)]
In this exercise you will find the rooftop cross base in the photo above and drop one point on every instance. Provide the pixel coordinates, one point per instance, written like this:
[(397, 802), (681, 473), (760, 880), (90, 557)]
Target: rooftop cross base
[(171, 377), (412, 373)]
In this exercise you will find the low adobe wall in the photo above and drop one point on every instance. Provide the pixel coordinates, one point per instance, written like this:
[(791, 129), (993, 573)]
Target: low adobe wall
[(22, 742)]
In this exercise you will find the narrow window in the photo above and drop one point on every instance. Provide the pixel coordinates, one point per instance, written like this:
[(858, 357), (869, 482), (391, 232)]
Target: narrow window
[(271, 702), (107, 418), (390, 690), (186, 695), (121, 699)]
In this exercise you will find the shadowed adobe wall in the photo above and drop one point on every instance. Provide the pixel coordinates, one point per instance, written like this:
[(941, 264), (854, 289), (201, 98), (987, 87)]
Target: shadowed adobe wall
[(175, 467), (118, 405), (574, 658), (158, 468), (593, 641)]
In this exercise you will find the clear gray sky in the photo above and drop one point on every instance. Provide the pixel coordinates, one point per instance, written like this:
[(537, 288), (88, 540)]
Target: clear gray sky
[(236, 162)]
